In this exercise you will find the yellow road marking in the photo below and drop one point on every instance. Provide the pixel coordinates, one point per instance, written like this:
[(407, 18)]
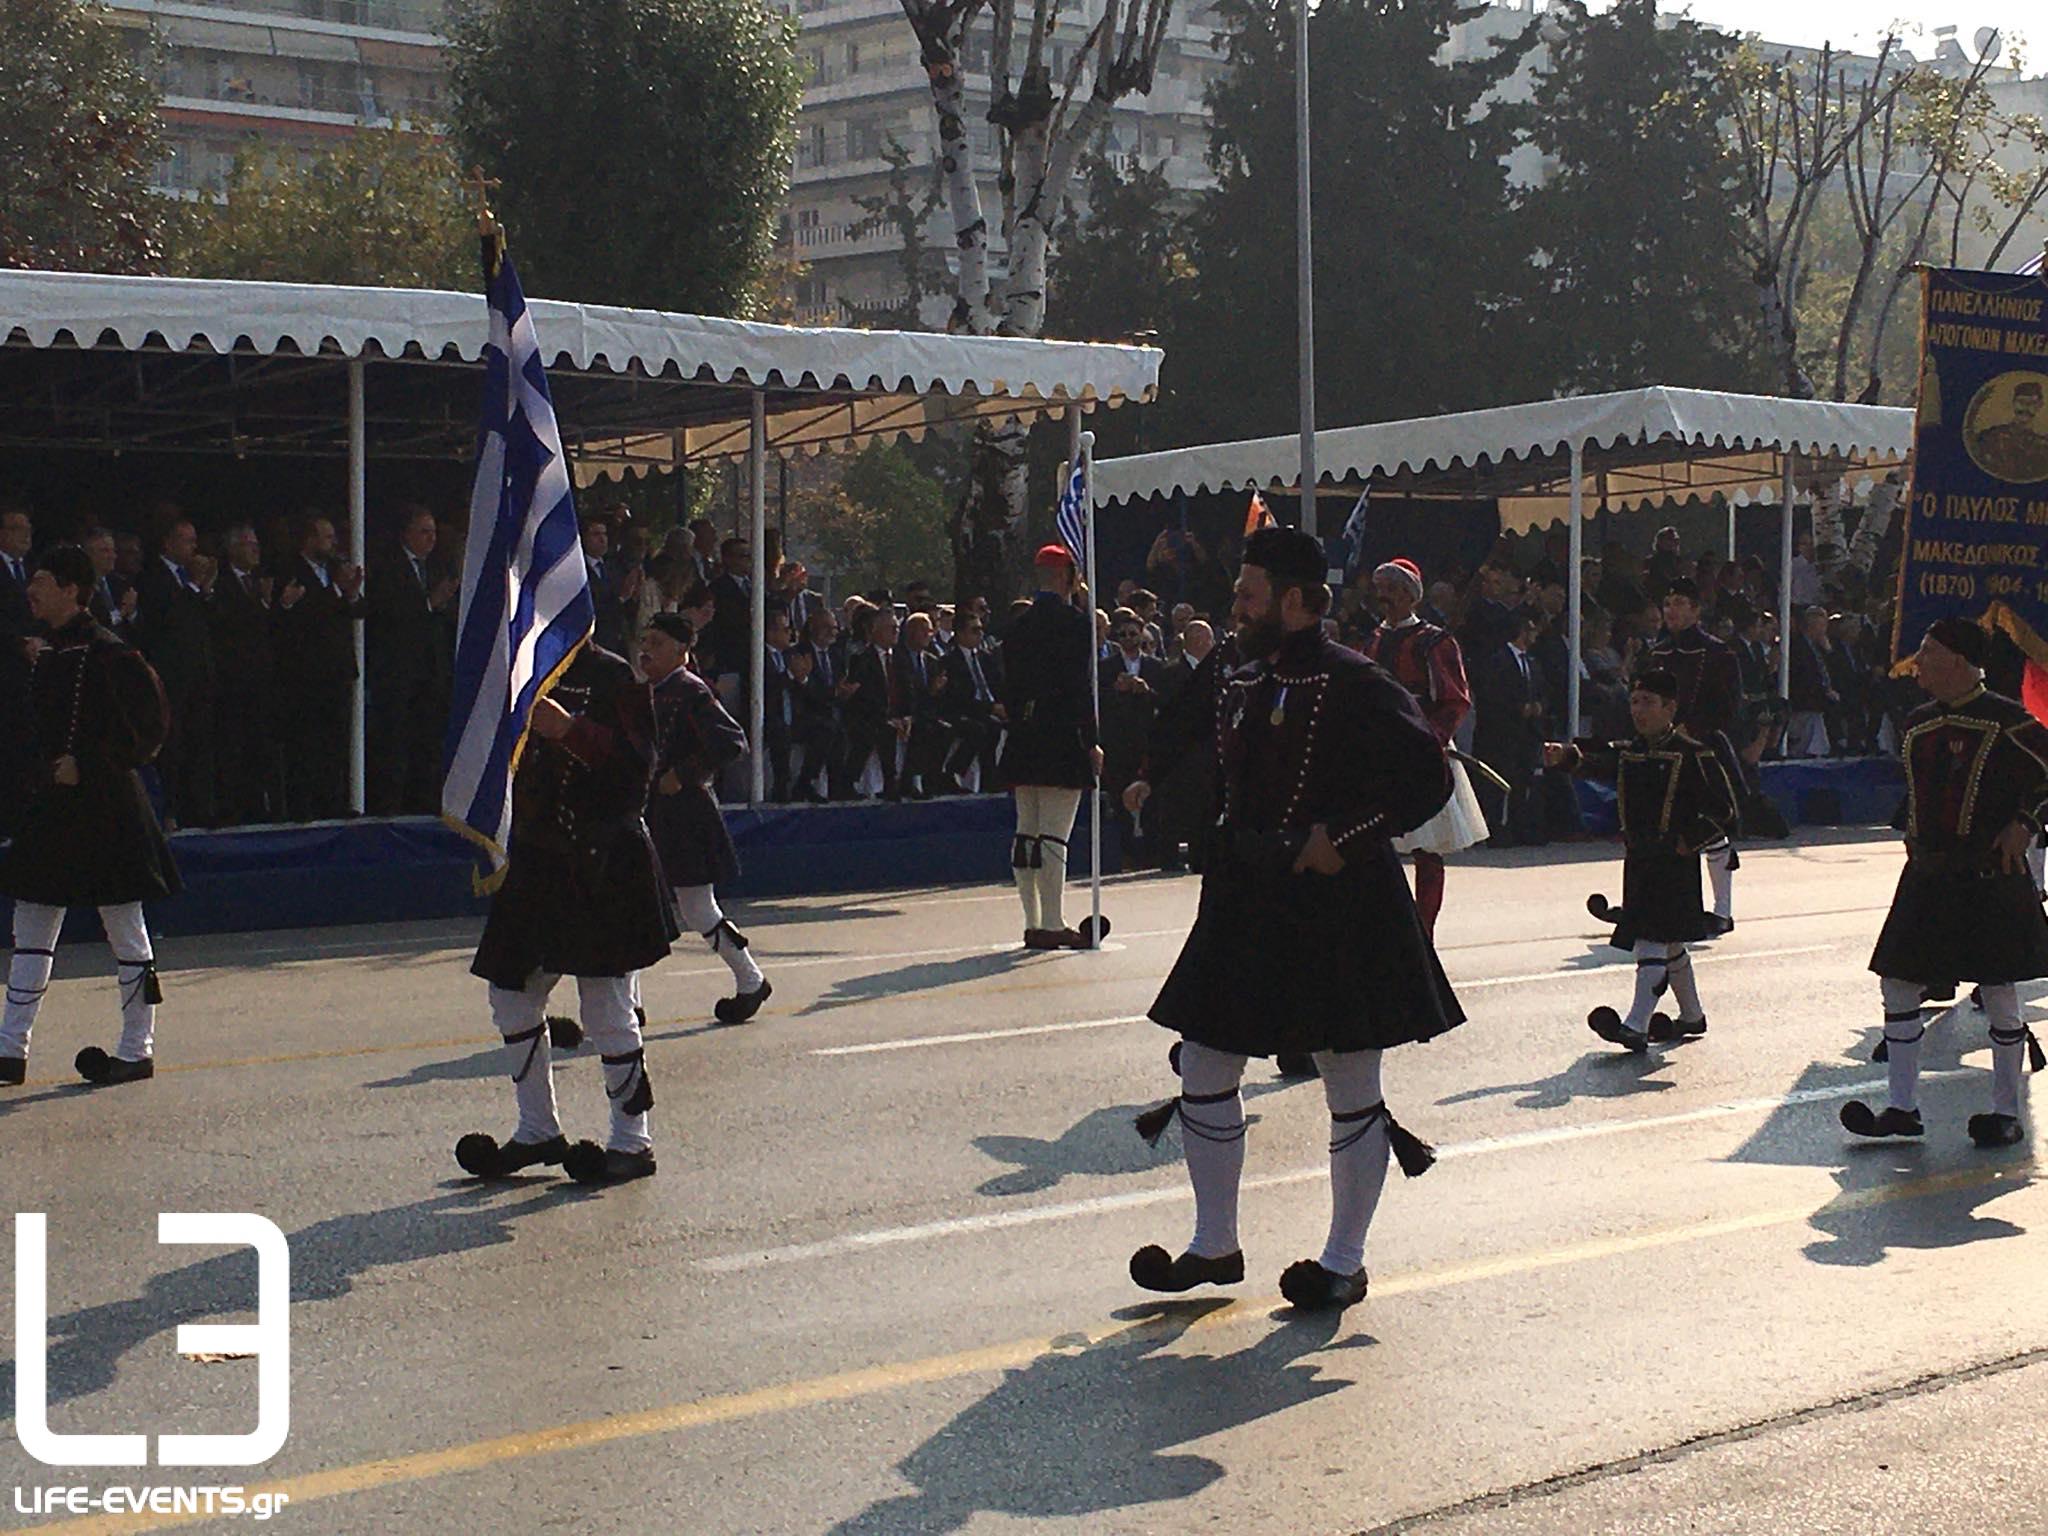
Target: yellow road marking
[(422, 1466)]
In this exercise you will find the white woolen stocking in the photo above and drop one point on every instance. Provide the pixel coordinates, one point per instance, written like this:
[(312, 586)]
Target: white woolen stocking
[(1212, 1133), (2008, 1047), (698, 905), (1903, 1031), (1026, 876), (1685, 988), (135, 965), (524, 1013), (607, 1008), (1056, 826), (28, 975), (1652, 962), (1721, 876), (1358, 1154)]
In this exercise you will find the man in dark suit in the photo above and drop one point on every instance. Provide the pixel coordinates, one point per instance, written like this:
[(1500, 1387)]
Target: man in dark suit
[(732, 616), (173, 628), (921, 676), (613, 590), (778, 704), (1812, 695), (410, 645), (319, 605), (878, 712), (249, 776), (798, 598), (1130, 683), (114, 598), (18, 631), (972, 707), (822, 689), (1508, 735)]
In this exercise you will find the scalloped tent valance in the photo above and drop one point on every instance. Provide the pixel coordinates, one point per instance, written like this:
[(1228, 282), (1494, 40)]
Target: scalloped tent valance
[(636, 388), (1640, 448)]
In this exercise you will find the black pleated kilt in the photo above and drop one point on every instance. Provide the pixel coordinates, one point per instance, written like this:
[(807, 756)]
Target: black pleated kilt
[(1660, 897), (1052, 755), (600, 908), (95, 844), (691, 839), (1950, 927), (1279, 962)]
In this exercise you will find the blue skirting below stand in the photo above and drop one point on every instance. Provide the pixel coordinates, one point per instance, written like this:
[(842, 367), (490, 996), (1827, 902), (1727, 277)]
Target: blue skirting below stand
[(1821, 791), (415, 869)]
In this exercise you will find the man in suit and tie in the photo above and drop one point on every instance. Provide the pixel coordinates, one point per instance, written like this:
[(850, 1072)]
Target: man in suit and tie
[(1130, 684), (173, 628), (411, 652), (878, 711), (114, 599), (972, 707), (319, 606), (823, 688), (778, 704), (19, 633), (922, 677), (614, 591), (1508, 735), (797, 597), (732, 617), (250, 775)]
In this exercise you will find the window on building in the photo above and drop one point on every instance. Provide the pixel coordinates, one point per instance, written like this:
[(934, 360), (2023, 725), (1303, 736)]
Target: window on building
[(853, 58)]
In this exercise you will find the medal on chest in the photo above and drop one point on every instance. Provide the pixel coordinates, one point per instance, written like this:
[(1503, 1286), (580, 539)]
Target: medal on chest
[(1279, 716)]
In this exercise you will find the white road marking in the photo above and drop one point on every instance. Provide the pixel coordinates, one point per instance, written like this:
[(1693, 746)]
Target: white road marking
[(993, 1221), (972, 1036)]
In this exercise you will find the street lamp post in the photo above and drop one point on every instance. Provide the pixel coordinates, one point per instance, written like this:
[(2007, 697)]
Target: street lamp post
[(1304, 273)]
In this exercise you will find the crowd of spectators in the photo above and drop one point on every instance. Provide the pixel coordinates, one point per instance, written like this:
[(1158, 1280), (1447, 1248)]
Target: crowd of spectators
[(883, 694)]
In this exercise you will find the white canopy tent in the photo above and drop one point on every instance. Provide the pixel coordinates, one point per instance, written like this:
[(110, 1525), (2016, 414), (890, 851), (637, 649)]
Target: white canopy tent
[(178, 365), (1543, 461)]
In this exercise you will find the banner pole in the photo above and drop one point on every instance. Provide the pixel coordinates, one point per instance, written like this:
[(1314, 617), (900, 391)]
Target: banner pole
[(1087, 440)]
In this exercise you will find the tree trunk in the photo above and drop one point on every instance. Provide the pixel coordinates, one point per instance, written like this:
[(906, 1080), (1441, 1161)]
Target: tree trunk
[(997, 498)]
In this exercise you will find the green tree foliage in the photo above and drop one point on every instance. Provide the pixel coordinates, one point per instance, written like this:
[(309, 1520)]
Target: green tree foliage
[(1416, 249), (78, 139), (384, 209), (1637, 276), (885, 525), (1124, 259), (644, 146)]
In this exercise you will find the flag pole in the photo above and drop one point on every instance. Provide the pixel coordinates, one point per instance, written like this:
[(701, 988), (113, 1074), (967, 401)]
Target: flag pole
[(1087, 447)]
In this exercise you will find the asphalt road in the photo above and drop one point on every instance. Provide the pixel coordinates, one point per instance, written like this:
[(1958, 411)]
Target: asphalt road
[(878, 1285)]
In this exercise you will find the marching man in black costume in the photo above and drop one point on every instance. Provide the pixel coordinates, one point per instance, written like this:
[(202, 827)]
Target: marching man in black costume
[(1709, 681), (1306, 939), (88, 836), (1674, 799), (1976, 791), (1050, 754), (583, 896), (695, 738)]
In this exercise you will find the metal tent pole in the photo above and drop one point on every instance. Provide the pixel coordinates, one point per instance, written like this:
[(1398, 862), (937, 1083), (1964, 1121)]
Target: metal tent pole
[(1305, 285), (1575, 584), (757, 618), (1785, 618), (358, 550)]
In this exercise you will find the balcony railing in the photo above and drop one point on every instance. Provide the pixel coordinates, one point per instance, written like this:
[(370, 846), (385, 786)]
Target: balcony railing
[(424, 16)]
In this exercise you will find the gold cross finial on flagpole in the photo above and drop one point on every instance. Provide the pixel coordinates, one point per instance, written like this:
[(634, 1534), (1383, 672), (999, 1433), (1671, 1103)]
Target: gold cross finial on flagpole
[(479, 187)]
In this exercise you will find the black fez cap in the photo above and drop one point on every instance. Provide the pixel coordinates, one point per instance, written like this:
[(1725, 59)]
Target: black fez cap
[(1684, 586), (675, 626), (1289, 556), (1658, 680), (1967, 640)]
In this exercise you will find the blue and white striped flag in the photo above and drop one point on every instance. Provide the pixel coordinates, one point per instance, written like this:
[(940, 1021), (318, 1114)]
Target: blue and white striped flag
[(2032, 266), (526, 607), (1072, 517)]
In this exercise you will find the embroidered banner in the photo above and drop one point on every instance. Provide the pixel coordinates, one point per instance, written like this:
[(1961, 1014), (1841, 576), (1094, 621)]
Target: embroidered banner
[(1976, 531)]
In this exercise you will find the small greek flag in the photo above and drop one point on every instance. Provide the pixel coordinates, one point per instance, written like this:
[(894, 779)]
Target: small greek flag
[(2032, 268), (526, 607), (1072, 518)]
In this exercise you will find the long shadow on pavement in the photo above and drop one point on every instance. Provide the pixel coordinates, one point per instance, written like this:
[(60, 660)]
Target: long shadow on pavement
[(86, 1346), (1596, 1075), (1102, 1144), (1086, 1431), (926, 976), (491, 1061)]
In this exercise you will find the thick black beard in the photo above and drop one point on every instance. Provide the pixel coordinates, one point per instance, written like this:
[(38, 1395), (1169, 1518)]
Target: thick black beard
[(1260, 639)]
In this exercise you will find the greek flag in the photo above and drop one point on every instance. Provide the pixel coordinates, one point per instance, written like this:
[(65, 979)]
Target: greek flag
[(2032, 266), (1072, 517), (526, 607)]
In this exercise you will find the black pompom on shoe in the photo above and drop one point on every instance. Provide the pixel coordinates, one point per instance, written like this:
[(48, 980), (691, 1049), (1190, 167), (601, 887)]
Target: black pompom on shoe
[(484, 1157), (1859, 1119), (1993, 1131), (1607, 1024), (1665, 1030), (1603, 910), (737, 1010), (588, 1163), (1311, 1288), (104, 1071), (1156, 1270), (13, 1071), (564, 1033)]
